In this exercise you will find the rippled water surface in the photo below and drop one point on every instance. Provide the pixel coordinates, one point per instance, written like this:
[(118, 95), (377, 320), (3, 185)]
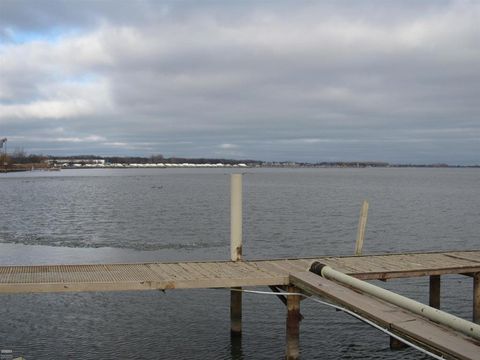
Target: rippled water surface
[(160, 214)]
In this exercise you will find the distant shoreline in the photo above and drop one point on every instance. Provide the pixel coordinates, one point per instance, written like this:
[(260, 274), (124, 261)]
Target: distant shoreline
[(181, 166), (38, 162)]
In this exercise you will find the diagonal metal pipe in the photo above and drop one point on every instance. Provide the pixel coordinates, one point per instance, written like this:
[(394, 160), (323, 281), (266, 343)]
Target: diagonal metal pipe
[(439, 316)]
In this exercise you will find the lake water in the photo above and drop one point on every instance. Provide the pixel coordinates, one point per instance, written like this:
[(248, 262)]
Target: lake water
[(131, 215)]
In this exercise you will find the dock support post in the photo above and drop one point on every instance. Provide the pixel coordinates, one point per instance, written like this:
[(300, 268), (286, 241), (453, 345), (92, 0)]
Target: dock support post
[(476, 297), (293, 325), (434, 298), (396, 344), (236, 312), (236, 250), (362, 224)]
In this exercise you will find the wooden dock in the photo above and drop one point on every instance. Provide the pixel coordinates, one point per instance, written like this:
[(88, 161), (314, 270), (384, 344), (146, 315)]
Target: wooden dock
[(226, 274), (285, 274)]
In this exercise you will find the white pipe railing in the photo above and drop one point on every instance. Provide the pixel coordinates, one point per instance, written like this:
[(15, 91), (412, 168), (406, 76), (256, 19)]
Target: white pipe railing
[(441, 317)]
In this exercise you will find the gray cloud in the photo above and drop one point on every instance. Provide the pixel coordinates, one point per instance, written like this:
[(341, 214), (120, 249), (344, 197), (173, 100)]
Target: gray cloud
[(277, 81)]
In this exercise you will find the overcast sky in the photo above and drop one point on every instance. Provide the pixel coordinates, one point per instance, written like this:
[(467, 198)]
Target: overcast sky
[(395, 81)]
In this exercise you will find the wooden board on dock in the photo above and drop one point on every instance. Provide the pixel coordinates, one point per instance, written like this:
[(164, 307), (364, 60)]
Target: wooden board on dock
[(414, 328), (224, 274), (390, 266)]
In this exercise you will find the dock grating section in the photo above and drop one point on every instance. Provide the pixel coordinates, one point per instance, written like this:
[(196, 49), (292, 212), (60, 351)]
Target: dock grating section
[(178, 275)]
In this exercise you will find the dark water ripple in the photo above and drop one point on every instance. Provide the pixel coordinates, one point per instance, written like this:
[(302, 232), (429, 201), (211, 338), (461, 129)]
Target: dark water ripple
[(145, 215)]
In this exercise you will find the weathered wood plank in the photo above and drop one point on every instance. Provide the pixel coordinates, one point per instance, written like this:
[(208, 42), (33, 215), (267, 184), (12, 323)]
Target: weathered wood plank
[(280, 267), (418, 330), (270, 267), (293, 266), (181, 272), (470, 256), (195, 267), (412, 273), (167, 272), (259, 266), (441, 339)]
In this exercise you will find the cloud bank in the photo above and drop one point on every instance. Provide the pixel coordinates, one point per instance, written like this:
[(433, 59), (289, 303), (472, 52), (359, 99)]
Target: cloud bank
[(342, 80)]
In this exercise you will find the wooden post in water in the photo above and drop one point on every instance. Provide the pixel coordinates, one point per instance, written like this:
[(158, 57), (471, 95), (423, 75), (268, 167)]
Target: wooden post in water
[(236, 250), (362, 224), (434, 298), (396, 344), (236, 313), (293, 325), (476, 297)]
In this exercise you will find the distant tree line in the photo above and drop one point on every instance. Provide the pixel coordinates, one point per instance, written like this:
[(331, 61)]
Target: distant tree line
[(354, 164), (19, 156), (156, 159)]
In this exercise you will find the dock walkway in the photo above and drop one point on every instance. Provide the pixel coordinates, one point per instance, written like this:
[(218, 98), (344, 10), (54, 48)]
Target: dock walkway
[(225, 274), (292, 275)]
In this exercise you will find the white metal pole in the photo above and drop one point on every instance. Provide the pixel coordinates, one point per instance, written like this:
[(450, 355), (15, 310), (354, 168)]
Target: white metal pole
[(236, 217)]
